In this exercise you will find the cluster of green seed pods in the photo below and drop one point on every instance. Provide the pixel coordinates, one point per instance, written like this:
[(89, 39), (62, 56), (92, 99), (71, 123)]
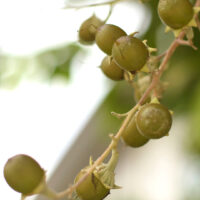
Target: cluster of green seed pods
[(152, 121), (124, 52)]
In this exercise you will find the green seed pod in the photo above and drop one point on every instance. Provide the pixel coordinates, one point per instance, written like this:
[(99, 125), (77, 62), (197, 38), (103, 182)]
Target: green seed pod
[(98, 184), (106, 36), (130, 53), (88, 30), (91, 188), (153, 120), (23, 174), (131, 135), (175, 13), (111, 69)]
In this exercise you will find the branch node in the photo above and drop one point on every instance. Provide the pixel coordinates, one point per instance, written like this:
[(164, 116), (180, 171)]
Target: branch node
[(186, 43)]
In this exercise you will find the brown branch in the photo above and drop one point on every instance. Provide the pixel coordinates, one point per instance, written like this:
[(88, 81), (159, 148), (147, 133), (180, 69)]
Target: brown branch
[(159, 72), (130, 114), (155, 79), (112, 145)]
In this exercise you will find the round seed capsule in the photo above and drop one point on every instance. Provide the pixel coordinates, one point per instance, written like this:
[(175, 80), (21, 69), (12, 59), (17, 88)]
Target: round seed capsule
[(23, 173), (131, 135), (130, 53), (175, 13), (153, 121), (88, 29), (111, 69), (91, 188), (106, 36)]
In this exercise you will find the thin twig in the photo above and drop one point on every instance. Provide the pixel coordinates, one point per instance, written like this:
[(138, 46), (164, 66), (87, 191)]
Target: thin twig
[(109, 13), (159, 57), (158, 73), (112, 2), (113, 143), (119, 115)]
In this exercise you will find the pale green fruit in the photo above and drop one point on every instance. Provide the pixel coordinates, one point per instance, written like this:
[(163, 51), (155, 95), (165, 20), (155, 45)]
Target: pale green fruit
[(153, 121), (91, 188), (130, 53), (111, 69), (23, 174), (88, 29), (175, 13), (106, 36), (132, 136)]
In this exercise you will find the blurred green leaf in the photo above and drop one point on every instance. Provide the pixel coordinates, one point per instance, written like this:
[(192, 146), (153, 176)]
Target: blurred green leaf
[(193, 138), (42, 66), (58, 61)]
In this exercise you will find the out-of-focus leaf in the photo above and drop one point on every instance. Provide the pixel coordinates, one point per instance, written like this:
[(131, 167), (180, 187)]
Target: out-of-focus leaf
[(193, 138), (183, 75), (58, 61), (155, 22), (12, 70), (63, 69), (42, 66), (119, 100)]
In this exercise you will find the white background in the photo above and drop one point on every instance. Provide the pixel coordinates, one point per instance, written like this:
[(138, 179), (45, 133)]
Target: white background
[(42, 119)]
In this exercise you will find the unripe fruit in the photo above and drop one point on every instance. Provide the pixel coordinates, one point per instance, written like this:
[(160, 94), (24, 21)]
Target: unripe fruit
[(153, 121), (111, 69), (106, 36), (88, 30), (130, 53), (91, 188), (23, 174), (175, 13), (131, 135)]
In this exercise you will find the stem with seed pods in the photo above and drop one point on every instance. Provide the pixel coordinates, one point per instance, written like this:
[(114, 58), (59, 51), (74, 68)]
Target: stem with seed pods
[(155, 80), (113, 144), (130, 114)]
